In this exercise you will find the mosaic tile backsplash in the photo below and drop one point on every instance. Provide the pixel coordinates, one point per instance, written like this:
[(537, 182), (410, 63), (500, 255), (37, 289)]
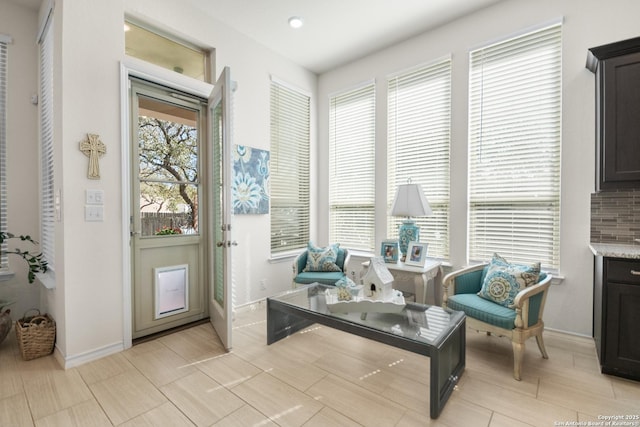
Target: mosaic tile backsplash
[(615, 217)]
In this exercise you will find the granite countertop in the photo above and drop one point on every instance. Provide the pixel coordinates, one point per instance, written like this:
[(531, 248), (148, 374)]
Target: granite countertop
[(615, 250)]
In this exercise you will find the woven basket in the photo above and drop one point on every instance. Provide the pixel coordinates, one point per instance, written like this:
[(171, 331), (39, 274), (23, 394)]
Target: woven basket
[(36, 335)]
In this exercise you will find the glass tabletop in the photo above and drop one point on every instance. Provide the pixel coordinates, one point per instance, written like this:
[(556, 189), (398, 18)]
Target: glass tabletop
[(418, 322)]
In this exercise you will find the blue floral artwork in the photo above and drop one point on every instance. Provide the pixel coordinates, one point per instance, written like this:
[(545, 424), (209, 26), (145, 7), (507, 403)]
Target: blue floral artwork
[(250, 187)]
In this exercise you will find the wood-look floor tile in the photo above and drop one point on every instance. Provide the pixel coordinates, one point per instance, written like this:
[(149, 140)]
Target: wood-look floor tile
[(163, 415), (104, 368), (201, 398), (368, 408), (14, 411), (194, 343), (278, 400), (461, 412), (318, 376), (85, 414), (515, 405), (625, 389), (408, 393), (374, 377), (245, 416), (126, 396), (53, 391), (589, 400), (288, 369), (11, 381), (162, 366), (499, 420), (228, 369), (329, 417)]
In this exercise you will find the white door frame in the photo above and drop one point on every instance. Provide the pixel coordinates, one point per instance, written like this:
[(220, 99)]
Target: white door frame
[(137, 68)]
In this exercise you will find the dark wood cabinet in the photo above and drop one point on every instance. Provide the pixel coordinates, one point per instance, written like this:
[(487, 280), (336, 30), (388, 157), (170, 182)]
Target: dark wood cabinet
[(617, 69), (616, 320)]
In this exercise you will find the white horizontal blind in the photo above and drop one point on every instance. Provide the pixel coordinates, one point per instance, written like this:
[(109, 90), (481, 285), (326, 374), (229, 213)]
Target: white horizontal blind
[(514, 142), (352, 168), (419, 136), (47, 197), (4, 261), (290, 139)]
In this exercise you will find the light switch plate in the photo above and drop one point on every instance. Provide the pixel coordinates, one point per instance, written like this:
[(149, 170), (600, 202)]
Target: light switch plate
[(95, 197), (93, 213)]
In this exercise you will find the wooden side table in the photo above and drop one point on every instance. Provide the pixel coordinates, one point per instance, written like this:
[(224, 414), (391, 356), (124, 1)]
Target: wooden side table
[(412, 279)]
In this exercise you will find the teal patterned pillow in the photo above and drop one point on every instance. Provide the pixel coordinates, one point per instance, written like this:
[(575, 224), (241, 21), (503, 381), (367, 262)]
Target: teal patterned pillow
[(503, 280), (322, 259)]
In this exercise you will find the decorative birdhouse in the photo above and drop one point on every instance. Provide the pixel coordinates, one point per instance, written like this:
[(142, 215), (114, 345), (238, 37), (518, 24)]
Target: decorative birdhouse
[(377, 281)]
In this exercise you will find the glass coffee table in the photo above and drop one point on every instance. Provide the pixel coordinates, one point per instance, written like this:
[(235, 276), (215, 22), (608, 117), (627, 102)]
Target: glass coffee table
[(423, 329)]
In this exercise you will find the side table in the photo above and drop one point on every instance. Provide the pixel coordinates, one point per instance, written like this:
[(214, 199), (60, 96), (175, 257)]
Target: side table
[(409, 278)]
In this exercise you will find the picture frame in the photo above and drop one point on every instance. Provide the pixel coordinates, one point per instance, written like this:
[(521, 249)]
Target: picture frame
[(389, 250), (416, 254)]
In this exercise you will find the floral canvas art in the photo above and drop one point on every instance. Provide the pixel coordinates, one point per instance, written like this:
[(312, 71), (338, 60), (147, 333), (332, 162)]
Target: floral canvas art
[(250, 187)]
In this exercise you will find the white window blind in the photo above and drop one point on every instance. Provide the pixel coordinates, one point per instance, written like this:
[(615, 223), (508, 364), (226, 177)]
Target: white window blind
[(419, 136), (352, 168), (47, 197), (514, 142), (4, 261), (290, 139)]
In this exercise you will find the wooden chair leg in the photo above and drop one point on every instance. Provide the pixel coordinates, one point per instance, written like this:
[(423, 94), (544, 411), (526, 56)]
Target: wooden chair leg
[(540, 342), (518, 355)]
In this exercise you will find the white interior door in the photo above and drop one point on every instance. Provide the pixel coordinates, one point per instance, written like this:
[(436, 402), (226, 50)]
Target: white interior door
[(222, 243)]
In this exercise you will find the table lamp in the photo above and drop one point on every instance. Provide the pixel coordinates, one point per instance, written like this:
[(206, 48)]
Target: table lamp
[(409, 202)]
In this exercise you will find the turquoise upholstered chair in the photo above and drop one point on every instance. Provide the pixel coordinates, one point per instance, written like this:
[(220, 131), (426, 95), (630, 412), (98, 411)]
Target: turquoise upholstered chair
[(301, 277), (518, 324)]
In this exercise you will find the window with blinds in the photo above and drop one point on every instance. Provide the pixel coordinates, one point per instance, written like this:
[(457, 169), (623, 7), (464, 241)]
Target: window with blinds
[(419, 136), (352, 168), (4, 41), (514, 149), (47, 197), (290, 139)]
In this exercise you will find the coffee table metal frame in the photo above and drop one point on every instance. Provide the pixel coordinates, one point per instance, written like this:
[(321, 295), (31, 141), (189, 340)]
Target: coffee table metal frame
[(446, 353)]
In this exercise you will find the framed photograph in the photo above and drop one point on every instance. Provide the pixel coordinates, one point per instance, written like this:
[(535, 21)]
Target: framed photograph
[(416, 254), (389, 251)]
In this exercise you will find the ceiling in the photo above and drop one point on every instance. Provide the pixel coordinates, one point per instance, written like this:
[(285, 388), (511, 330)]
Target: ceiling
[(335, 31)]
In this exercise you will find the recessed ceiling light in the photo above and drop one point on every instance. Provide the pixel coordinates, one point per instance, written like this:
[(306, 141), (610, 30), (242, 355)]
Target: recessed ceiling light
[(296, 22)]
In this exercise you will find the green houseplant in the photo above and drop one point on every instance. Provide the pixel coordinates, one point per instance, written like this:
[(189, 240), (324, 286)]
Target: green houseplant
[(36, 263)]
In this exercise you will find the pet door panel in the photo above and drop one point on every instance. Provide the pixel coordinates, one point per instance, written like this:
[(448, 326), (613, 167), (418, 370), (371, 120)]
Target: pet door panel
[(172, 290)]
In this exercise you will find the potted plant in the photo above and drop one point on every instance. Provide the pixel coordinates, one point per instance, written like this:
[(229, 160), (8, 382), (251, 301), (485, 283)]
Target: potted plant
[(36, 263)]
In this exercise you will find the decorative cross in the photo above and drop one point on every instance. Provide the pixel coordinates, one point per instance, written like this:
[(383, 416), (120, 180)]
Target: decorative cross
[(93, 148)]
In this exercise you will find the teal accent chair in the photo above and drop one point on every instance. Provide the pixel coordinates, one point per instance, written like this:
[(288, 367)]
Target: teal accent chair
[(518, 324), (301, 277)]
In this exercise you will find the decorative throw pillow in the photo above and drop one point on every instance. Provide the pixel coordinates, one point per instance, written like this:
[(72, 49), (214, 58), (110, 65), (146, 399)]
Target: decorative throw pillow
[(503, 280), (322, 259)]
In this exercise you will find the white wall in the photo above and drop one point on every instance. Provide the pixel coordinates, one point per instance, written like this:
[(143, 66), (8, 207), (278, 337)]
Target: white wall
[(569, 305)]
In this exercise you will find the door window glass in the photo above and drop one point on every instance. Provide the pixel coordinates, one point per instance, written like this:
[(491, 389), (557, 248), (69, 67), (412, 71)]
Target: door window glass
[(169, 175)]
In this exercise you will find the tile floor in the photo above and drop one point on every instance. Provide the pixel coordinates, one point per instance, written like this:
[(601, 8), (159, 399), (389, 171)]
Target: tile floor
[(318, 377)]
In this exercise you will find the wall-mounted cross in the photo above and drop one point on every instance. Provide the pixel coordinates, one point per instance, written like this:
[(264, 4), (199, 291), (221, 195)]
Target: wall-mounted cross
[(93, 148)]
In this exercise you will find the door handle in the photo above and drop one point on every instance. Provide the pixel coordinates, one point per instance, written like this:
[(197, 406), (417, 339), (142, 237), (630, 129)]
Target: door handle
[(133, 233), (227, 244)]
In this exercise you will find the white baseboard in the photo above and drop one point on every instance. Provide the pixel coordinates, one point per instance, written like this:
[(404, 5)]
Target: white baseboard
[(68, 362)]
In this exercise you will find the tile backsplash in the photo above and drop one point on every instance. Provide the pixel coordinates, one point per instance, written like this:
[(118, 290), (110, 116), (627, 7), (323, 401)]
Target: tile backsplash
[(615, 216)]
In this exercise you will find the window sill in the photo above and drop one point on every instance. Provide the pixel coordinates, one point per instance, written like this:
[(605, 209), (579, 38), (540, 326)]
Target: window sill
[(48, 279), (6, 275)]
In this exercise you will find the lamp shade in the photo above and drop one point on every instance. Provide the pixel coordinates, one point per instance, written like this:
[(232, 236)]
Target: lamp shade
[(410, 201)]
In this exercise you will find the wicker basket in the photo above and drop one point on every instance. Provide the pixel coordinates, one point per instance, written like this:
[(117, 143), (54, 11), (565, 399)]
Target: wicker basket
[(36, 335)]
